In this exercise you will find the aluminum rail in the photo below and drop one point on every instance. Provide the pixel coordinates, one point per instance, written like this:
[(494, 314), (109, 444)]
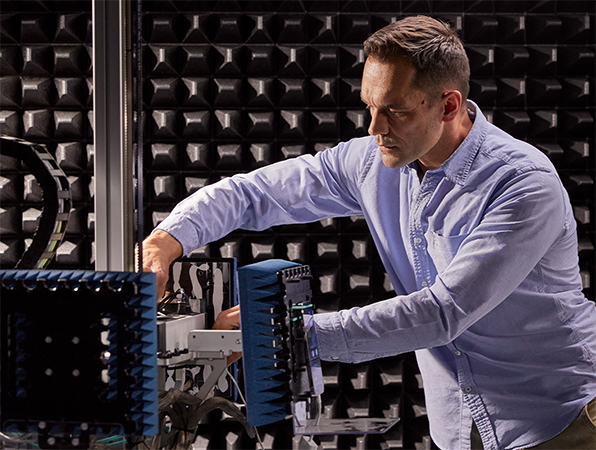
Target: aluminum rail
[(112, 126)]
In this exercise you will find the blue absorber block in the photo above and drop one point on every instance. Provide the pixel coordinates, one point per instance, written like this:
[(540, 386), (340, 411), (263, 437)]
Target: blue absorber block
[(85, 349), (262, 315)]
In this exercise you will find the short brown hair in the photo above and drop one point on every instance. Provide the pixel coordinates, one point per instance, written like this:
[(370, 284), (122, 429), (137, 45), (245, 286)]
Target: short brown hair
[(432, 47)]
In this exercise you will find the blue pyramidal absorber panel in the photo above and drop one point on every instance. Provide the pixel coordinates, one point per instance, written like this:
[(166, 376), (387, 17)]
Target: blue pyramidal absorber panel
[(263, 314), (78, 349), (280, 353)]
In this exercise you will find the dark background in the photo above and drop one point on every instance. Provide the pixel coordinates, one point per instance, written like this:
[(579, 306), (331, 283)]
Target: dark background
[(231, 86)]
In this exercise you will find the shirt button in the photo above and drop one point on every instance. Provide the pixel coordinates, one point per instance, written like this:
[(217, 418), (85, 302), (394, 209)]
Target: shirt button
[(424, 284), (417, 240), (468, 389), (335, 357), (458, 353)]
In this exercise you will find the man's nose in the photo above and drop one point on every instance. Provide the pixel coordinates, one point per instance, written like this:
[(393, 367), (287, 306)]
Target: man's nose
[(378, 123)]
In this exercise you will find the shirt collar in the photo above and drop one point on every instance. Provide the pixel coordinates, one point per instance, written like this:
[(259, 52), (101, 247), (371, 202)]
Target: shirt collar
[(457, 166)]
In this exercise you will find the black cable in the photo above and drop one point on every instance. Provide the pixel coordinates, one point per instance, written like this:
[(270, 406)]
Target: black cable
[(166, 301), (56, 200), (184, 305)]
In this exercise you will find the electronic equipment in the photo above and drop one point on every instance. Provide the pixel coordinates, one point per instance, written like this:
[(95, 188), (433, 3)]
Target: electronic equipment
[(279, 359), (199, 289), (280, 354), (86, 355)]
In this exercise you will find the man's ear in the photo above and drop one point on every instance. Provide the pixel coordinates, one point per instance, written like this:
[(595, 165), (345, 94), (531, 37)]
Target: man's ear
[(452, 102)]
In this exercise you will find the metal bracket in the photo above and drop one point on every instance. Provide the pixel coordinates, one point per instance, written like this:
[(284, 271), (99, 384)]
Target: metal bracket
[(207, 348), (203, 342), (212, 347)]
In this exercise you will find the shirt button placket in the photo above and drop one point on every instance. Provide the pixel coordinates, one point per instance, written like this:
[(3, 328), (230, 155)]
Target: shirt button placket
[(417, 242)]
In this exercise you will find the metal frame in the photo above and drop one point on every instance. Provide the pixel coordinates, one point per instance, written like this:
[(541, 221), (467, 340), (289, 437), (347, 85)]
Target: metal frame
[(113, 125)]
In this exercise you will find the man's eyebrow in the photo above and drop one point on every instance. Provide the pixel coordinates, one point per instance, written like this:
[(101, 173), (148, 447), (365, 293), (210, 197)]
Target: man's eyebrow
[(391, 106), (395, 106)]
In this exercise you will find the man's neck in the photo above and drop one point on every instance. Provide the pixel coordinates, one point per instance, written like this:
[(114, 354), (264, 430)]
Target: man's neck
[(454, 135)]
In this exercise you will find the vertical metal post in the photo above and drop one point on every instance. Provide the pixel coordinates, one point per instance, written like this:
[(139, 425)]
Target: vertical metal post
[(112, 100)]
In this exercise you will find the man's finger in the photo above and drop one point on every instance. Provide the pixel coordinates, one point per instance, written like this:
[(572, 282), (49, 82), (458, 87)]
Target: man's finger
[(228, 319)]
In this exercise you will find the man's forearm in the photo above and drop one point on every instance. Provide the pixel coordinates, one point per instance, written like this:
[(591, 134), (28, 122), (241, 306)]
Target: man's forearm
[(160, 249)]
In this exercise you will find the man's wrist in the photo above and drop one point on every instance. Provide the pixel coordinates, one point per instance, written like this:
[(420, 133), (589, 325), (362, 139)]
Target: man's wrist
[(168, 245)]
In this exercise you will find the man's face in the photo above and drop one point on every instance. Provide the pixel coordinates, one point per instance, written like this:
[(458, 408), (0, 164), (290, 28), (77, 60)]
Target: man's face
[(404, 123)]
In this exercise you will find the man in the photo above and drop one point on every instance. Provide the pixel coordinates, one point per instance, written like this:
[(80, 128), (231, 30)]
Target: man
[(477, 236)]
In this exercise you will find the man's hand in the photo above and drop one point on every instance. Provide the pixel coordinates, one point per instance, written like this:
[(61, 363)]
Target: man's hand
[(228, 320), (160, 249)]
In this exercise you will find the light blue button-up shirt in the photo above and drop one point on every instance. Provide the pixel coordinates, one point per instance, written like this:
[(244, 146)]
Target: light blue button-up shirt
[(482, 254)]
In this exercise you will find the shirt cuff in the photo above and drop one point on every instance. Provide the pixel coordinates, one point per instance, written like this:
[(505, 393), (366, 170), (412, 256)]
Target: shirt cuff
[(176, 226), (331, 338)]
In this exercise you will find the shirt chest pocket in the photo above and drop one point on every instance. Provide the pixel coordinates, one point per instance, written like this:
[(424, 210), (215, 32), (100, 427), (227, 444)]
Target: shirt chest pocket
[(442, 249)]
